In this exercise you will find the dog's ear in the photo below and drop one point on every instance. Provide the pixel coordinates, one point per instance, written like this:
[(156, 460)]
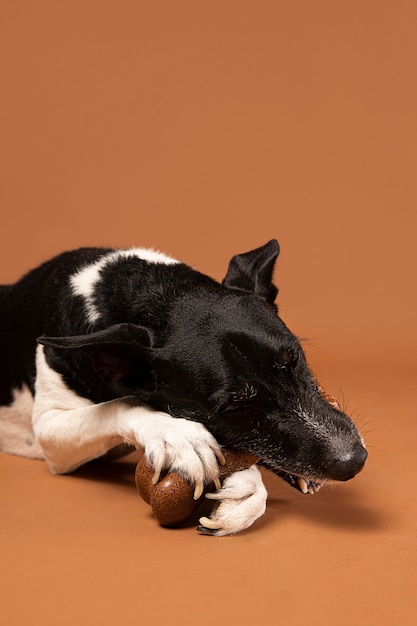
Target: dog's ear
[(121, 354), (251, 272)]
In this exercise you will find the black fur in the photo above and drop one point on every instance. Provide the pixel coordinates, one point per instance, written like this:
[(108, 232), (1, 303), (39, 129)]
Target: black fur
[(186, 344)]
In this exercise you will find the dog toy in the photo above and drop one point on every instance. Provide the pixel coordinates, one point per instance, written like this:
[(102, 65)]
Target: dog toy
[(172, 498)]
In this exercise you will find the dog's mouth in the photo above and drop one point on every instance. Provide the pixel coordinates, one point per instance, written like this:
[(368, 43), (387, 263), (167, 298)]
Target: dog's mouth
[(304, 485), (300, 483)]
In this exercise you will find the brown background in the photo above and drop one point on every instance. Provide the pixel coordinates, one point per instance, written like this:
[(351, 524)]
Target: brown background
[(204, 129)]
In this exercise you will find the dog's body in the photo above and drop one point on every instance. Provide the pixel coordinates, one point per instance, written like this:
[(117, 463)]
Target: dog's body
[(101, 347)]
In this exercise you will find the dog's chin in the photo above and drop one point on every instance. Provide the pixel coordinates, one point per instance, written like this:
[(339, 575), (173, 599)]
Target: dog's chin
[(300, 483)]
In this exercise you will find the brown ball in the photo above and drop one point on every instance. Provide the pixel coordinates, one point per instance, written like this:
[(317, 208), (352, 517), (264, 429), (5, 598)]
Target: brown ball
[(171, 499)]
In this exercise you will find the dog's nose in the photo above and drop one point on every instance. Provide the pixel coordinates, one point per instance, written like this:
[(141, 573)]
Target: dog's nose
[(348, 467)]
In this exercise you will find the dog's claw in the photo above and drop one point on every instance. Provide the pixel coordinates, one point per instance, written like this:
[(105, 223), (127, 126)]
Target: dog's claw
[(202, 530), (198, 491), (213, 496), (220, 457), (156, 476), (206, 522), (217, 484)]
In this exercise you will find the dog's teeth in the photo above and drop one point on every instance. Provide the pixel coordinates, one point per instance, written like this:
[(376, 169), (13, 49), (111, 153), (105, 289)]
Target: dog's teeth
[(303, 485), (198, 491)]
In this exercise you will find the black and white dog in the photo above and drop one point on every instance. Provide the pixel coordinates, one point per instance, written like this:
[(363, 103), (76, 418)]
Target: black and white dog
[(101, 347)]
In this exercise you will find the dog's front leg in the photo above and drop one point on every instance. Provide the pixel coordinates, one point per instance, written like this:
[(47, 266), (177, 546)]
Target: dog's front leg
[(72, 430), (242, 500)]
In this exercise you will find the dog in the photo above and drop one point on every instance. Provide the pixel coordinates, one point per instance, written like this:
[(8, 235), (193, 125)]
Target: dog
[(102, 348)]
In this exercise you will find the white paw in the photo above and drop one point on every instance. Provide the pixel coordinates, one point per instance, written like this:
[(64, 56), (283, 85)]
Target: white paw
[(242, 500), (182, 446)]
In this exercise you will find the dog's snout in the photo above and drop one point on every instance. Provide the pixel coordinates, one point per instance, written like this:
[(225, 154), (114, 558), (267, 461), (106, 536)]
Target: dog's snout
[(347, 468)]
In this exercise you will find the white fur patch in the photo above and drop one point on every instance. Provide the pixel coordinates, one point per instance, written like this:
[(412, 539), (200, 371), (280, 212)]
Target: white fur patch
[(181, 446), (16, 432), (84, 282), (242, 501)]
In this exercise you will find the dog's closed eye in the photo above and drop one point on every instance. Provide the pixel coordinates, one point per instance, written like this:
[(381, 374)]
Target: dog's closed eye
[(288, 359), (238, 411), (236, 407)]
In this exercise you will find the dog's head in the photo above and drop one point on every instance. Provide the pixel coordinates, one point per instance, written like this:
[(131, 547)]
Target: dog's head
[(227, 360)]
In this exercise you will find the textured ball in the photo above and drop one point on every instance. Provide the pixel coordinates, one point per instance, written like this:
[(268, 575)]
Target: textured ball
[(171, 499)]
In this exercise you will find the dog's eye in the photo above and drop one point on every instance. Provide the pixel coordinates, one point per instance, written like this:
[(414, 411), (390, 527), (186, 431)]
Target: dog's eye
[(236, 406), (238, 409), (288, 360)]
